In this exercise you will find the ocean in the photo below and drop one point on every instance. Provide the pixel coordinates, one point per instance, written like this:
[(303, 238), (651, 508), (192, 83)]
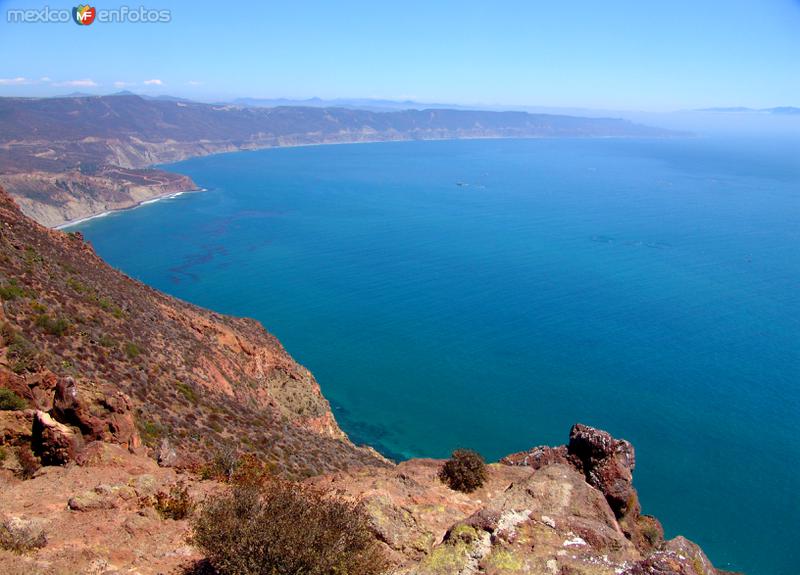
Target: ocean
[(491, 293)]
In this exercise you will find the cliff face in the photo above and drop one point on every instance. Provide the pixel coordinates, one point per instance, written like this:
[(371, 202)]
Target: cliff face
[(66, 158), (76, 332), (123, 393), (54, 198)]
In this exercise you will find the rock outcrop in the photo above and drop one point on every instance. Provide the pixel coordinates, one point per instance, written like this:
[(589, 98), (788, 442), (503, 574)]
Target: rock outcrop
[(54, 442), (568, 509), (607, 465)]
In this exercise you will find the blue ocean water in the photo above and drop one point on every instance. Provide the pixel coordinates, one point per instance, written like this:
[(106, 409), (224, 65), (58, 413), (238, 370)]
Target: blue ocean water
[(491, 293)]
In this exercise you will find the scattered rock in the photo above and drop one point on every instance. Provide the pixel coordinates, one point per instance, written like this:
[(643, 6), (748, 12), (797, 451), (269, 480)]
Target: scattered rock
[(166, 455), (144, 486), (537, 457), (92, 501), (15, 427)]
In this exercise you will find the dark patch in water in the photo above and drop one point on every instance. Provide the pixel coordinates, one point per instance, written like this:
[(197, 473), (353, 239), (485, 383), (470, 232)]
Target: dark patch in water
[(181, 272)]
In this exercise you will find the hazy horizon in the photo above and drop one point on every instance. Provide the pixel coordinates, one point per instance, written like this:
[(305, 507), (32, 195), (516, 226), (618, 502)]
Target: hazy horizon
[(621, 56)]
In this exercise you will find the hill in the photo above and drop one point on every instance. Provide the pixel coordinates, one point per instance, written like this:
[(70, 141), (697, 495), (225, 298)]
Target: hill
[(67, 158)]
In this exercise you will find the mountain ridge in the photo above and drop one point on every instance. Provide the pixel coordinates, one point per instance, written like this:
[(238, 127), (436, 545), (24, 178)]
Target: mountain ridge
[(68, 158)]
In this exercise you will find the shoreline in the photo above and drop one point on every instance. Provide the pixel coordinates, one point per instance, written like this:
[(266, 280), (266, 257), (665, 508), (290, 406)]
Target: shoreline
[(152, 200), (157, 198)]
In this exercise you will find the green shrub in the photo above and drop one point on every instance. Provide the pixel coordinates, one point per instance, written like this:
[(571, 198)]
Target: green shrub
[(12, 290), (150, 431), (53, 326), (32, 257), (284, 529), (132, 350), (109, 306), (3, 454), (21, 352), (106, 341), (78, 285), (186, 391), (464, 471), (176, 504), (10, 401)]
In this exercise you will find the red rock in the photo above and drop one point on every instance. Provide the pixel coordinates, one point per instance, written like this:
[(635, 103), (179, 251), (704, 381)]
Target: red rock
[(100, 417), (607, 463), (537, 457), (54, 442)]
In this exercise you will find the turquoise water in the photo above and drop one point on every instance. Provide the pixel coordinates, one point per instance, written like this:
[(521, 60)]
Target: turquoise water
[(646, 287)]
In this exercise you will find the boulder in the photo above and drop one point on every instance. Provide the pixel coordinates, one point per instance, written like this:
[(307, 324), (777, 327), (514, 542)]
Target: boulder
[(41, 386), (92, 500), (99, 416), (166, 455), (54, 442), (607, 463), (678, 557)]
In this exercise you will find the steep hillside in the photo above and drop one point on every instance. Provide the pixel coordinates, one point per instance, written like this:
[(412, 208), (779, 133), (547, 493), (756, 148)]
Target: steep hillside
[(66, 158), (119, 361), (137, 404)]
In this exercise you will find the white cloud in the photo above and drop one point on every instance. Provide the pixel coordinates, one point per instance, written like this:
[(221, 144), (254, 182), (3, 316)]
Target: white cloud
[(194, 83), (45, 79), (153, 82), (119, 84), (85, 83), (13, 81)]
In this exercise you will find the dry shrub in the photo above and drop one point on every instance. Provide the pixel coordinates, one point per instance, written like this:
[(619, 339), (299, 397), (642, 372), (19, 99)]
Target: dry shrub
[(29, 464), (20, 536), (252, 471), (286, 528), (177, 504), (464, 471), (222, 466)]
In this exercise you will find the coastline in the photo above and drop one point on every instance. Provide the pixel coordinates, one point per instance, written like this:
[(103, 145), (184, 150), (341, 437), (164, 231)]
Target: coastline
[(159, 197), (152, 200)]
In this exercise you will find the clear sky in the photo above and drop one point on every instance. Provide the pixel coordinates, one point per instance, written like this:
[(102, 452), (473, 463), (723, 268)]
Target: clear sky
[(622, 54)]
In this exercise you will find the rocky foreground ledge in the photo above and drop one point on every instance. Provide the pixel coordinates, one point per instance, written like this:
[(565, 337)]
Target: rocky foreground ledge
[(569, 510)]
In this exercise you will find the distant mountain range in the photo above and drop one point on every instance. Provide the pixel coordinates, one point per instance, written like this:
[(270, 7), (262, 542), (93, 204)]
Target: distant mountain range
[(66, 158), (781, 110)]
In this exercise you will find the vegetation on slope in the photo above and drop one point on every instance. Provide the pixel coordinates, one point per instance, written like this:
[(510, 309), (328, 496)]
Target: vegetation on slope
[(198, 383)]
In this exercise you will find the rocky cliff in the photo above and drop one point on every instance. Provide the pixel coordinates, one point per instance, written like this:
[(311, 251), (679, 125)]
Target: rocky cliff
[(113, 394), (67, 158), (549, 511), (98, 351)]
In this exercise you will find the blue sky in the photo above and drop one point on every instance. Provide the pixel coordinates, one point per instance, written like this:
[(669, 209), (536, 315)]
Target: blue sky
[(617, 54)]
